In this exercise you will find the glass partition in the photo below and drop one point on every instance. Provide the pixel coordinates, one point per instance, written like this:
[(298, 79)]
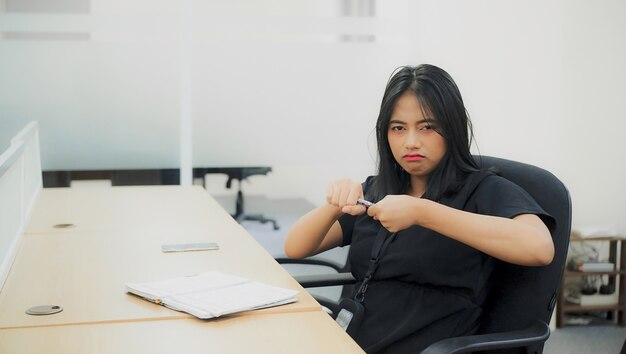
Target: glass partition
[(31, 166), (100, 76), (11, 218), (292, 86), (118, 84)]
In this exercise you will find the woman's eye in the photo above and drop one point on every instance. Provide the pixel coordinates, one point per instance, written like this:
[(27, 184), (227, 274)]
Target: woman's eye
[(427, 127), (397, 128)]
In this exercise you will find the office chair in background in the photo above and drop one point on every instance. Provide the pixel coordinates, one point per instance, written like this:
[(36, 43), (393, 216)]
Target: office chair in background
[(240, 174), (518, 309)]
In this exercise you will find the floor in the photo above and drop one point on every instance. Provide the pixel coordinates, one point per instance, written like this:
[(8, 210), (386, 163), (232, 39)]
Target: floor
[(599, 339)]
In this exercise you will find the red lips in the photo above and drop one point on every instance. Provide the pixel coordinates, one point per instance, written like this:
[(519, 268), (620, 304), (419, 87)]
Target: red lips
[(413, 157)]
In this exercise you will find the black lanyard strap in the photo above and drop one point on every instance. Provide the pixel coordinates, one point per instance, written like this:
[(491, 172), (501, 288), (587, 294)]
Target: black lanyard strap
[(382, 241)]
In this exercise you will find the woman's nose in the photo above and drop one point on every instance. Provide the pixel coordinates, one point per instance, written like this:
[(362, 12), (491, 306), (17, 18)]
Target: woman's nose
[(412, 139)]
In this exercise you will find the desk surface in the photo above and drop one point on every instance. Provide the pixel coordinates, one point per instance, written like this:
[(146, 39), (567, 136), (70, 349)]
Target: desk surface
[(117, 239), (89, 209), (308, 332)]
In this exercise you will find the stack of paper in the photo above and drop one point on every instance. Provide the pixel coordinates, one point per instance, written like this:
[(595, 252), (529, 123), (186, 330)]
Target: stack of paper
[(591, 232), (592, 300), (596, 267), (212, 294)]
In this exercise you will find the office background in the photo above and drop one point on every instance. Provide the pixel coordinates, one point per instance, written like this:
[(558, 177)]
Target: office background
[(296, 85)]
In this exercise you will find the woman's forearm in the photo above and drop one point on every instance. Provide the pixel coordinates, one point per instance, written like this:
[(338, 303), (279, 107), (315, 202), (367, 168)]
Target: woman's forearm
[(523, 240), (314, 232)]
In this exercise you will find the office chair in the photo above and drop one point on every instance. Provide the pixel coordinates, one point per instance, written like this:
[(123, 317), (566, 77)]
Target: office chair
[(342, 277), (518, 309), (240, 174)]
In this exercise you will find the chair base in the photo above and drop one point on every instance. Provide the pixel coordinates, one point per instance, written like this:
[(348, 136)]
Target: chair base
[(258, 218)]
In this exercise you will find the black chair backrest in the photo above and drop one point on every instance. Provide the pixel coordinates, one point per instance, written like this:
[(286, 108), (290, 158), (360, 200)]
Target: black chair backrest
[(520, 295)]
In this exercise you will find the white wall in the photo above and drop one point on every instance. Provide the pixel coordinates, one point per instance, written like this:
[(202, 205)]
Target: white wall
[(275, 85), (594, 114), (543, 82), (506, 59)]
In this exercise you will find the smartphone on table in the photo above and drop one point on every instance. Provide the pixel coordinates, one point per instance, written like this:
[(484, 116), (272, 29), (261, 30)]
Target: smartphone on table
[(184, 247)]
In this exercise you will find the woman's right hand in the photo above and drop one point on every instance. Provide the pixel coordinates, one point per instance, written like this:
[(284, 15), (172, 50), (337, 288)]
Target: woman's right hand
[(343, 194)]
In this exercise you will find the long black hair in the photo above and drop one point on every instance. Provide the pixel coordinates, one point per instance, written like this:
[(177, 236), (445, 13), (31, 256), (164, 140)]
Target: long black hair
[(439, 95)]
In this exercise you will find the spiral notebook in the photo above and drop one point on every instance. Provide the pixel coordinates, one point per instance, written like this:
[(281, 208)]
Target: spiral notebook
[(212, 294)]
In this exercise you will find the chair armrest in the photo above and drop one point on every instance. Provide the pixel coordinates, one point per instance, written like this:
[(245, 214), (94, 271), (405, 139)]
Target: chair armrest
[(536, 334), (315, 281), (310, 261), (331, 306)]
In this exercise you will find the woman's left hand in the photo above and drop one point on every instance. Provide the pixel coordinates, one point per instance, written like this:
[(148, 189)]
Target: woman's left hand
[(395, 212)]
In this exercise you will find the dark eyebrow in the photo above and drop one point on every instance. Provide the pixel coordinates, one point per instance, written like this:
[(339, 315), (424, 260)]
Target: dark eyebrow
[(425, 120)]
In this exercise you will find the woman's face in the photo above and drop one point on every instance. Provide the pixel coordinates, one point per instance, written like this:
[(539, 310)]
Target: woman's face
[(413, 137)]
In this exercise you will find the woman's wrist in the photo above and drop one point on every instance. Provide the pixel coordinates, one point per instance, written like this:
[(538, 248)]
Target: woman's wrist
[(420, 210), (333, 210)]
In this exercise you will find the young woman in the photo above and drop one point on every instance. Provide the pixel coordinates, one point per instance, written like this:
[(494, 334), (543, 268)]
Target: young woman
[(448, 218)]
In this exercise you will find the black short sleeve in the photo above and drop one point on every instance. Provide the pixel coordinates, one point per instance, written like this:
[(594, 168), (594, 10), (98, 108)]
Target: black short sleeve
[(347, 227), (498, 196)]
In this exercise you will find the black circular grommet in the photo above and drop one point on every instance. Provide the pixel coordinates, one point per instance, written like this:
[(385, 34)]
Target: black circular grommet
[(44, 310), (64, 226)]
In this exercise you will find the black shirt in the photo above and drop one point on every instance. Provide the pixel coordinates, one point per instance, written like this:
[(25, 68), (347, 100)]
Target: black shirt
[(428, 286)]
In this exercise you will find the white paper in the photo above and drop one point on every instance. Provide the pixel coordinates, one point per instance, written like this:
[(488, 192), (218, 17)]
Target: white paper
[(212, 294)]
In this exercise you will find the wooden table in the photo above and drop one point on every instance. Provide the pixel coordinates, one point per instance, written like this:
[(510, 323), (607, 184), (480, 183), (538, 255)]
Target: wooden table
[(302, 333), (115, 237), (116, 208)]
